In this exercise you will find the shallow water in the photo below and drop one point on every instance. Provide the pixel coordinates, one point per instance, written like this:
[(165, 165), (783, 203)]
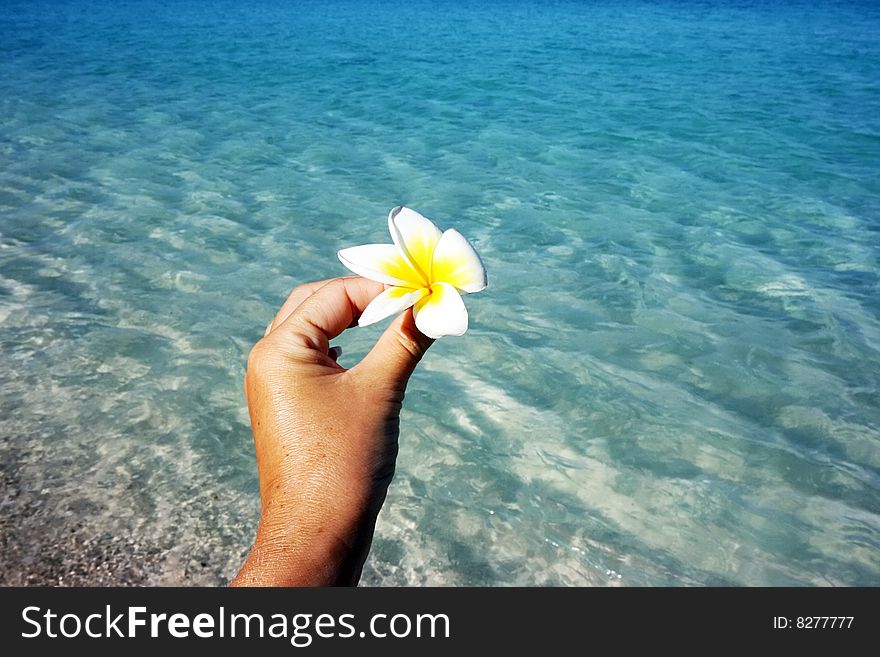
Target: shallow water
[(672, 380)]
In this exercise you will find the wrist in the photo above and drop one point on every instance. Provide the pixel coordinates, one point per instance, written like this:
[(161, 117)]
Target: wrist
[(297, 559), (298, 544)]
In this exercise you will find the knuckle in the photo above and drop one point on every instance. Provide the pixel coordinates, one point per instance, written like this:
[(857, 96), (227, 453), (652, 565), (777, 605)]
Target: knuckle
[(259, 357), (411, 339), (410, 344)]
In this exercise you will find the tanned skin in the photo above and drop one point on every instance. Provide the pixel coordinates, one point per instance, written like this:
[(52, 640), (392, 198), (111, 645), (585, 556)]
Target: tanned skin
[(325, 436)]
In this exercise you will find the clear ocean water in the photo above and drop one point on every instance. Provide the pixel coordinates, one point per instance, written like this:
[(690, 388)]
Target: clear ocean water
[(673, 379)]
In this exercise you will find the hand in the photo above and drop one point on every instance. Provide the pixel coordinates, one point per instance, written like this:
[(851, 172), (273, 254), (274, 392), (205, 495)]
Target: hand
[(325, 437)]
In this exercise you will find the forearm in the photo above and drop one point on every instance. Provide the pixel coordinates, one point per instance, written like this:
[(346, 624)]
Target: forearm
[(291, 561), (297, 546)]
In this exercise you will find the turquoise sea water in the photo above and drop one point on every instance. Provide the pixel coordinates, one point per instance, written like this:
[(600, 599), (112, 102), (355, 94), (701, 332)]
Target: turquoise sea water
[(673, 379)]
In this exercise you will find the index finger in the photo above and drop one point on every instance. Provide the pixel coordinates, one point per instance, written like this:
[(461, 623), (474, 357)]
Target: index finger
[(328, 311), (296, 297)]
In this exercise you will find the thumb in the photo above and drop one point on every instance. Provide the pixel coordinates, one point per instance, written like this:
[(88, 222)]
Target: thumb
[(396, 354)]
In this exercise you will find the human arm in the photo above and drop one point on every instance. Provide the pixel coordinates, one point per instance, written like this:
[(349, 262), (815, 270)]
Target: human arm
[(325, 436)]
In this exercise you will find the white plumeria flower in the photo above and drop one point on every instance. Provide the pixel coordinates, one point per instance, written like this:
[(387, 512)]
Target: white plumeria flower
[(425, 268)]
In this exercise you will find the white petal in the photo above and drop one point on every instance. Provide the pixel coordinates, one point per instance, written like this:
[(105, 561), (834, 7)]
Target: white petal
[(380, 262), (415, 236), (390, 302), (442, 312), (457, 263)]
